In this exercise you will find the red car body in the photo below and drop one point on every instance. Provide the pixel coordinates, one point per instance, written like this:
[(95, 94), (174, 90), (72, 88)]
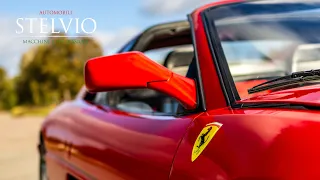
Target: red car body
[(88, 141)]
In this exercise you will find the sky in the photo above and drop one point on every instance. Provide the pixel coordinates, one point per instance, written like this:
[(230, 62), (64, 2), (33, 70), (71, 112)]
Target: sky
[(117, 21)]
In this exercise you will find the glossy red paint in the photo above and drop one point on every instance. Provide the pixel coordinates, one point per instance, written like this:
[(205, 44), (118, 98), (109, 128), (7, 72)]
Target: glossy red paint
[(307, 95), (138, 71), (105, 141), (214, 96), (243, 86), (255, 144), (90, 141), (213, 4), (181, 88)]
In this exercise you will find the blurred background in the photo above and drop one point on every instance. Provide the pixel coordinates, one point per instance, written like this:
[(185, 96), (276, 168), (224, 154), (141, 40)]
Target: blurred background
[(36, 75), (43, 74)]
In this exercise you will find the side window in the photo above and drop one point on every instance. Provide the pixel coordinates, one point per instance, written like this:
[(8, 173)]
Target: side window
[(142, 101), (147, 101), (100, 98)]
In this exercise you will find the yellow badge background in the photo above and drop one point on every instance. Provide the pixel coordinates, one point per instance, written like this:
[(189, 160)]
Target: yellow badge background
[(206, 134)]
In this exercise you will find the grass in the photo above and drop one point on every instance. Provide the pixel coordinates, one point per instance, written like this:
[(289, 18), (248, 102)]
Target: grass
[(30, 110)]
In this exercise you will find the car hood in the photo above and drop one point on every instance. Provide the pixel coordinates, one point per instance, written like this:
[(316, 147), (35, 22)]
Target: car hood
[(306, 95)]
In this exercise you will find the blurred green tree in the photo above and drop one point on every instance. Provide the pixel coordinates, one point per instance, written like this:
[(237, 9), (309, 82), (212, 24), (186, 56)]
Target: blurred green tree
[(8, 95), (53, 72)]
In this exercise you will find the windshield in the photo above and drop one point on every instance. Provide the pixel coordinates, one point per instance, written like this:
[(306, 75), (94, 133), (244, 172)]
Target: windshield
[(266, 39)]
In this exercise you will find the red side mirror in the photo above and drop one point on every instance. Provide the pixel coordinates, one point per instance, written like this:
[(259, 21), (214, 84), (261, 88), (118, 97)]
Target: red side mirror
[(134, 70)]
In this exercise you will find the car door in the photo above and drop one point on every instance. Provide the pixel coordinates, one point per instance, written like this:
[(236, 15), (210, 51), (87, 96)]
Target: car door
[(113, 144)]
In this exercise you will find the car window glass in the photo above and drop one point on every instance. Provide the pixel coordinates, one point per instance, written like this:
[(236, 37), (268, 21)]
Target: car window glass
[(100, 98), (266, 39), (146, 101)]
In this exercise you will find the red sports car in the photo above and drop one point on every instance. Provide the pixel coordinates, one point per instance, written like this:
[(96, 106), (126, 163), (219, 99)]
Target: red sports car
[(237, 112)]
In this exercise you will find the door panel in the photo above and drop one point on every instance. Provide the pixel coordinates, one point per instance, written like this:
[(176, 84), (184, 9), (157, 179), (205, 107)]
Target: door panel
[(203, 167), (110, 144)]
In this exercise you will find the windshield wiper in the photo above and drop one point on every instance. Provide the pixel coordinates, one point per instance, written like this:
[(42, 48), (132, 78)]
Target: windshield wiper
[(295, 77)]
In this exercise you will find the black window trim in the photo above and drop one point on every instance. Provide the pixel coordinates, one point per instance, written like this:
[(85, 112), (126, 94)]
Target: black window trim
[(218, 56), (199, 85)]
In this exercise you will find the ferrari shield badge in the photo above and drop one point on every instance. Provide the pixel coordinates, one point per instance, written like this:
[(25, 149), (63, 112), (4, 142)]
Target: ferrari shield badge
[(204, 139)]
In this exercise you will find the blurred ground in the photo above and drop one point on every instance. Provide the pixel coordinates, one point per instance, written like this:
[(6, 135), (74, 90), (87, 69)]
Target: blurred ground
[(31, 111), (18, 147)]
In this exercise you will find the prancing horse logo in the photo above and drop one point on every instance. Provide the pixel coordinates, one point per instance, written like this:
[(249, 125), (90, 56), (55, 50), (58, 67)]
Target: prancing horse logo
[(204, 139)]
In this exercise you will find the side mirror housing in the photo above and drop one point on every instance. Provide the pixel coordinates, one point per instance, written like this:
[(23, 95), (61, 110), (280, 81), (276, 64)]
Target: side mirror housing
[(132, 70)]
